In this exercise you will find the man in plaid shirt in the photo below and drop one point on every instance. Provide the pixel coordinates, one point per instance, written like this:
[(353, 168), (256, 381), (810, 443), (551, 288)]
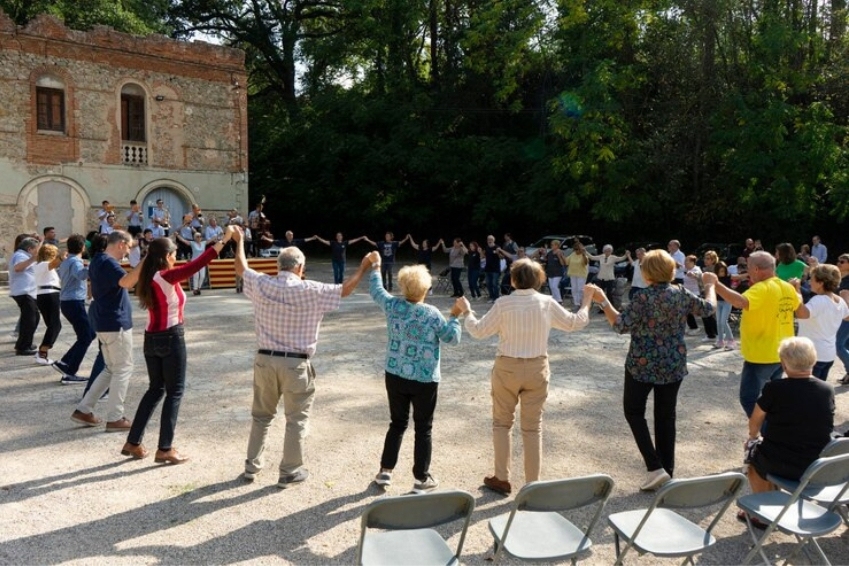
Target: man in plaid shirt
[(287, 313)]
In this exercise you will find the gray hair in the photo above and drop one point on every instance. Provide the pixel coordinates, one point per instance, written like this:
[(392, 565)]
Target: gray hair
[(763, 260), (28, 244), (118, 236), (607, 247), (290, 258), (797, 354)]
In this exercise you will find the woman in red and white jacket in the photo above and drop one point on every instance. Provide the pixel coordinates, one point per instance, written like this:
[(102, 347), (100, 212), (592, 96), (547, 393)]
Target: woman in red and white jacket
[(159, 292)]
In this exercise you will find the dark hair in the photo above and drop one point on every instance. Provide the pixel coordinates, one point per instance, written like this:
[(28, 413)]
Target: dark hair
[(133, 202), (147, 230), (155, 261), (98, 244), (20, 238), (47, 229), (76, 244), (720, 267), (785, 253)]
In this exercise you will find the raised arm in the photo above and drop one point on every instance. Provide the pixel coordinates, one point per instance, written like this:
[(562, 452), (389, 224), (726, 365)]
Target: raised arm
[(240, 262), (412, 242), (736, 299), (365, 238), (355, 240), (350, 284), (322, 240)]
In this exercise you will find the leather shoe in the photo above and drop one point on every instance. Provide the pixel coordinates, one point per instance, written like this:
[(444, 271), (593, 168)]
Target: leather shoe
[(497, 485), (87, 419), (137, 451), (121, 425), (26, 352), (169, 457)]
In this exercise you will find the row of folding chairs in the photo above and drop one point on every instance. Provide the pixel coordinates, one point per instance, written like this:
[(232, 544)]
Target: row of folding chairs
[(536, 528)]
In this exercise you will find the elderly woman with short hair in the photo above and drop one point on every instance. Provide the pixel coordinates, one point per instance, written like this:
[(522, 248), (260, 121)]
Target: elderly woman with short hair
[(657, 358), (821, 316), (522, 320), (606, 277), (22, 290), (412, 374), (799, 414)]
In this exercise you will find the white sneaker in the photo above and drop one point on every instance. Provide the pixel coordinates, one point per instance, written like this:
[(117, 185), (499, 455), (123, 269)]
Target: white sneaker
[(655, 479), (720, 344), (383, 478), (41, 358), (731, 345), (708, 339), (693, 332), (427, 484)]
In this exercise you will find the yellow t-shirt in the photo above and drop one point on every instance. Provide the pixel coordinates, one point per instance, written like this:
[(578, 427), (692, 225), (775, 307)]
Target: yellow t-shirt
[(578, 266), (768, 320)]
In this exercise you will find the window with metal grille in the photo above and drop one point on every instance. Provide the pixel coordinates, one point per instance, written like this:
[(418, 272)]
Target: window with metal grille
[(50, 109)]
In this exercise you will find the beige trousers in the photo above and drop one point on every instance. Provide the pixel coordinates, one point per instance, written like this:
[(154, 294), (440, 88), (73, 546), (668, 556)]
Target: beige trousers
[(514, 381)]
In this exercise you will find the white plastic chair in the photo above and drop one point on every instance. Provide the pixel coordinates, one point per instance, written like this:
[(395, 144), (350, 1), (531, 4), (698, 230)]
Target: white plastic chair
[(407, 520), (535, 530), (791, 513), (825, 496), (662, 532)]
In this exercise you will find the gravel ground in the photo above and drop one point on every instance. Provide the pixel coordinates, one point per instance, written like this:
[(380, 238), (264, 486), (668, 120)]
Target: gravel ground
[(67, 496)]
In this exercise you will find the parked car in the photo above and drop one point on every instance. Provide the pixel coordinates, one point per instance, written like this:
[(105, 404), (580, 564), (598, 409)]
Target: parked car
[(565, 241)]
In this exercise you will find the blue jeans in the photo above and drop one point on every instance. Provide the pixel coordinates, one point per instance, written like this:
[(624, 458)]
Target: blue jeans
[(821, 370), (338, 271), (76, 314), (493, 284), (723, 311), (165, 356), (842, 342), (752, 381)]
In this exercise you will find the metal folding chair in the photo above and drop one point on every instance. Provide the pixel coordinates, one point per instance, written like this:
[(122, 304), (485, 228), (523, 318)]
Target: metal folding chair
[(662, 532), (536, 530), (443, 282), (407, 521), (793, 514), (825, 496)]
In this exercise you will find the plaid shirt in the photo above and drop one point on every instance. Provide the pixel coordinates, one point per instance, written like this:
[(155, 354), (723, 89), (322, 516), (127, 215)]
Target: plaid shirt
[(288, 311)]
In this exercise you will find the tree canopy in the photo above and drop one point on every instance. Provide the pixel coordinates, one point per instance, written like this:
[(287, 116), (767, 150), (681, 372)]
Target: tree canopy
[(642, 118)]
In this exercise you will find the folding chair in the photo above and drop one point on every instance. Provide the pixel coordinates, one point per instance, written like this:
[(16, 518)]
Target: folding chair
[(792, 514), (442, 282), (409, 538), (660, 531), (534, 530), (836, 447)]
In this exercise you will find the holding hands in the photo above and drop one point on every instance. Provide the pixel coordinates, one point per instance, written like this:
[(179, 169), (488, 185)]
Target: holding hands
[(461, 306), (709, 278), (371, 260)]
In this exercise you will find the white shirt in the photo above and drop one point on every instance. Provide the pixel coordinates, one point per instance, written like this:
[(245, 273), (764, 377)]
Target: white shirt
[(692, 283), (638, 282), (46, 277), (606, 265), (209, 232), (679, 260), (523, 321), (821, 327)]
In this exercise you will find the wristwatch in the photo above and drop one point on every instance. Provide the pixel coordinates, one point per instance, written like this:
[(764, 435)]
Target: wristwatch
[(605, 303)]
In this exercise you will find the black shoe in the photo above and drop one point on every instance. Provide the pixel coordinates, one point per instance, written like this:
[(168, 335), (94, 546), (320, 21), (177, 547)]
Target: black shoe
[(27, 352)]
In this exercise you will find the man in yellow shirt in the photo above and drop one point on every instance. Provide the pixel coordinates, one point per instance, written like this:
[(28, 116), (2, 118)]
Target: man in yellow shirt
[(768, 306)]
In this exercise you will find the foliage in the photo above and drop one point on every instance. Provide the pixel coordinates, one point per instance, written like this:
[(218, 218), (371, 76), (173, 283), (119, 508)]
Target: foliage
[(140, 17)]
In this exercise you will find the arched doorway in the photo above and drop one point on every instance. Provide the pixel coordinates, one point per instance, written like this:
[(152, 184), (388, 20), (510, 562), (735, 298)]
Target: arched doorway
[(53, 200), (173, 199)]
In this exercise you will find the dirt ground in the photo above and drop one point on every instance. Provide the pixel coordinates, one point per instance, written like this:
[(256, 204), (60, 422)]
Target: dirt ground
[(68, 497)]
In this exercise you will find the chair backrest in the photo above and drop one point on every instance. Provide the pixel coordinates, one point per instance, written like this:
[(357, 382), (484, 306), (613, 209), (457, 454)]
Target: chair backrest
[(561, 495), (836, 447), (830, 471), (418, 511), (700, 492)]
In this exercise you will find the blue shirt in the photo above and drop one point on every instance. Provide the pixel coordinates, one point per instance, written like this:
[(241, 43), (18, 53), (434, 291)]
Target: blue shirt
[(74, 276), (110, 311), (414, 331), (23, 282)]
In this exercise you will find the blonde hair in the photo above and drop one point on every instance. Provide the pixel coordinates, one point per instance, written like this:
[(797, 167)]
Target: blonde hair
[(828, 275), (47, 252), (414, 281), (797, 354), (711, 255), (658, 266)]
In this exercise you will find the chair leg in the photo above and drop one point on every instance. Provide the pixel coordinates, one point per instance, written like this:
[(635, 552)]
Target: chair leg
[(620, 557), (758, 548)]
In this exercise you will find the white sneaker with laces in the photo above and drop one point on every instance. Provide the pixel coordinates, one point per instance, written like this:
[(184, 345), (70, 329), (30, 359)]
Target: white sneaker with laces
[(41, 358)]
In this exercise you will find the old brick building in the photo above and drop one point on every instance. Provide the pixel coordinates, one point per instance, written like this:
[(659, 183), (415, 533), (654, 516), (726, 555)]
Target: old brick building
[(102, 115)]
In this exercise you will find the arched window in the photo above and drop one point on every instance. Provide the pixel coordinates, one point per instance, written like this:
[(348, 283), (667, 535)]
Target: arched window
[(50, 104), (132, 113)]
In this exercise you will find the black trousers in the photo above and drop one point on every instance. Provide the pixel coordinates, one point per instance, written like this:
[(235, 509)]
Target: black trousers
[(48, 305), (29, 321), (403, 393), (661, 452), (455, 281)]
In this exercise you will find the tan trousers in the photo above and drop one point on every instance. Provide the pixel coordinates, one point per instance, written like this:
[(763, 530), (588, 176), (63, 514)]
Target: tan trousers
[(514, 381), (294, 380)]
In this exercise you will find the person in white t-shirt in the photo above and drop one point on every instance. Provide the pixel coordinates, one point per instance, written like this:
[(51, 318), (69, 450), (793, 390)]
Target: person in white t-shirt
[(821, 316), (47, 287), (692, 279), (637, 281)]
